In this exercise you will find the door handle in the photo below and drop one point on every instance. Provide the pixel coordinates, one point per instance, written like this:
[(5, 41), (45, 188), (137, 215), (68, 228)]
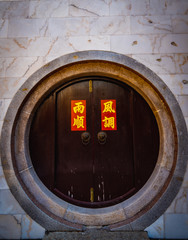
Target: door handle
[(85, 136), (102, 136)]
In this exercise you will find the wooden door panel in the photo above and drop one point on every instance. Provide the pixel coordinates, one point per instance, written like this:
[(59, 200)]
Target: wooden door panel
[(73, 171)]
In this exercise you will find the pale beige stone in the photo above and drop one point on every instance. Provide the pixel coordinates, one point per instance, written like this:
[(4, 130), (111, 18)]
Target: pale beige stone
[(31, 229), (27, 27), (120, 8), (48, 8), (21, 67), (4, 103), (183, 101), (175, 83), (85, 8), (14, 9), (110, 25), (9, 86), (10, 226), (69, 27), (180, 23), (164, 63), (176, 7), (3, 28), (180, 203), (150, 24), (3, 183)]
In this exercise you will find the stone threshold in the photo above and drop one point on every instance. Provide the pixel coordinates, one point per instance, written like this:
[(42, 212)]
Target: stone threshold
[(96, 235)]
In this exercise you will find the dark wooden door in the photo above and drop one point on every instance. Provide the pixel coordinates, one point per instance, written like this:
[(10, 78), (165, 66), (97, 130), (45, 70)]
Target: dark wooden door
[(101, 171)]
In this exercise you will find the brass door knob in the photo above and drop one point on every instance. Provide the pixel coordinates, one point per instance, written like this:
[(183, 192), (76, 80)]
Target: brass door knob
[(85, 136), (102, 136)]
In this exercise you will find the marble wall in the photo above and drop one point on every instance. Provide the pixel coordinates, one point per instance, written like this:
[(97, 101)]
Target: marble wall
[(34, 32)]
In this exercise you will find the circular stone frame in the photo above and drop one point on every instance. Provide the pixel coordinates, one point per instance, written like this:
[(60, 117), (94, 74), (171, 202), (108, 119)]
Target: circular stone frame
[(133, 214)]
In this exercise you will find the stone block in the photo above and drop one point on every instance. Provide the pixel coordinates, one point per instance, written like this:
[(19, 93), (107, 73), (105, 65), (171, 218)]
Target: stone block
[(9, 86), (164, 63), (120, 8), (83, 8), (3, 183), (156, 230), (31, 229), (2, 67), (3, 28), (183, 101), (131, 44), (179, 23), (48, 8), (4, 103), (22, 66), (69, 27), (175, 83), (8, 204), (180, 203), (176, 226), (27, 28), (10, 226), (176, 7), (14, 9), (150, 24), (96, 235), (13, 47)]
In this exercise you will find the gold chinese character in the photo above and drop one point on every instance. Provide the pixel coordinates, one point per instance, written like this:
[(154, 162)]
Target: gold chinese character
[(108, 107), (109, 122), (79, 122), (79, 107)]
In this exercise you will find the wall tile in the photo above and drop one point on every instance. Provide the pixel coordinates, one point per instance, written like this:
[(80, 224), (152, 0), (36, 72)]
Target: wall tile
[(156, 230), (10, 226), (176, 226), (27, 27), (180, 23), (48, 8), (131, 44), (170, 43), (183, 101), (110, 26), (2, 67), (150, 24), (8, 204), (69, 27), (175, 83), (14, 9), (3, 183), (30, 229), (4, 103), (180, 203), (3, 28), (120, 7), (13, 47), (22, 66), (139, 7), (165, 63), (176, 7), (90, 43), (84, 8), (156, 7), (9, 86)]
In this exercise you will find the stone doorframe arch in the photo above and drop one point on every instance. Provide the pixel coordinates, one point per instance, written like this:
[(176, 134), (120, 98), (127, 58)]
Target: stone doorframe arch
[(135, 213)]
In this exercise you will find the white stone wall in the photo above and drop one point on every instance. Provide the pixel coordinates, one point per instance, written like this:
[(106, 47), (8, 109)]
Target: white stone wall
[(34, 32)]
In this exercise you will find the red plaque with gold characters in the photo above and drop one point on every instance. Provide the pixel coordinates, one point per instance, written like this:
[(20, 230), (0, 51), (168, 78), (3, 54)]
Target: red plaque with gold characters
[(78, 115), (108, 115)]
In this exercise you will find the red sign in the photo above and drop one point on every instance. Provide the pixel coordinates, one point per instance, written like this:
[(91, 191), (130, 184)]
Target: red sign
[(78, 115), (108, 115)]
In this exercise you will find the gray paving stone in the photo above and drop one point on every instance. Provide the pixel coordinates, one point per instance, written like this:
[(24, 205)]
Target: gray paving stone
[(96, 235)]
